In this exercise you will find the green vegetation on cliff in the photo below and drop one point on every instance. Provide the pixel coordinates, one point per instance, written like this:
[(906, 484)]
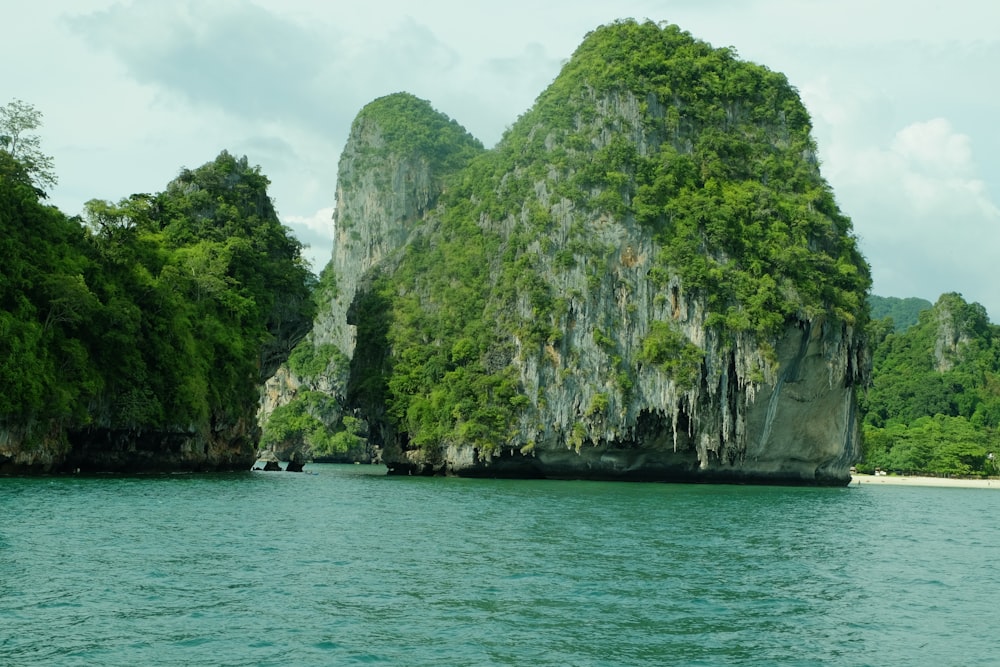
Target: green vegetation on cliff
[(713, 156), (161, 312), (398, 131), (405, 127), (45, 306), (934, 403), (409, 126)]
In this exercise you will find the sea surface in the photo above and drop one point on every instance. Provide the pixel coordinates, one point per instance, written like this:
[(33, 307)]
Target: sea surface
[(346, 566)]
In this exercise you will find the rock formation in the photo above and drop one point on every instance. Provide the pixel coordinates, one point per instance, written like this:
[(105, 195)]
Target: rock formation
[(646, 279)]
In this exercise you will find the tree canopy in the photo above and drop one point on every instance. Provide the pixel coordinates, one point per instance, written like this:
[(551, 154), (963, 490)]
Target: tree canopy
[(18, 120), (904, 312), (163, 311)]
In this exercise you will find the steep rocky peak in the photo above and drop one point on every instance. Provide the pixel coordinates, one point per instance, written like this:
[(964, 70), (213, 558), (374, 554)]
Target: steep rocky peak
[(392, 170)]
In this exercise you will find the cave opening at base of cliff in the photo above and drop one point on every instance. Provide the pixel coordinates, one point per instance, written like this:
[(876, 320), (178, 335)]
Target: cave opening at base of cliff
[(656, 428)]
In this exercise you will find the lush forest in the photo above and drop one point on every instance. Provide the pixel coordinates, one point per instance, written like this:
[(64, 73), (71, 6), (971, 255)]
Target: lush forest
[(159, 311), (166, 310), (904, 312), (934, 402)]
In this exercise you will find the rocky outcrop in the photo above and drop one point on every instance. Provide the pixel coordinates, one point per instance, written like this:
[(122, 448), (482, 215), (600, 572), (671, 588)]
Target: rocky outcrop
[(22, 452), (391, 174), (790, 419), (955, 325), (224, 447), (279, 389), (270, 463), (99, 449), (296, 462), (647, 279), (386, 182)]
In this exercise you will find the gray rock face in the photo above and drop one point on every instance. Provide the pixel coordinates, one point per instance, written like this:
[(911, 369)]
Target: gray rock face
[(382, 195), (378, 201), (797, 426), (44, 455), (950, 337)]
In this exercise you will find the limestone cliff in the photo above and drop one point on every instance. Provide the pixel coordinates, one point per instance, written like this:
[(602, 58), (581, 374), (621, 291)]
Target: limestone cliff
[(955, 329), (391, 173), (646, 279)]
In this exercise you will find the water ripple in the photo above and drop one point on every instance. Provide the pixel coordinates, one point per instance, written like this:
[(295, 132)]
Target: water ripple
[(347, 567)]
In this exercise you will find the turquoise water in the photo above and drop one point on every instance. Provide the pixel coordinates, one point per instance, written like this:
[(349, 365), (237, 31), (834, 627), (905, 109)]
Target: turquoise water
[(349, 567)]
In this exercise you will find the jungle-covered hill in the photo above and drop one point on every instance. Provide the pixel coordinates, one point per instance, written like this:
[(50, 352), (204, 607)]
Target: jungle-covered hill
[(137, 338), (934, 402), (904, 312)]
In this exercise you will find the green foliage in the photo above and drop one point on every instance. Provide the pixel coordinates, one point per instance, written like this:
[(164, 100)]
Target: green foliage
[(938, 445), (668, 349), (934, 403), (46, 306), (409, 126), (313, 421), (163, 313), (598, 405), (730, 187), (325, 290), (309, 361), (903, 312)]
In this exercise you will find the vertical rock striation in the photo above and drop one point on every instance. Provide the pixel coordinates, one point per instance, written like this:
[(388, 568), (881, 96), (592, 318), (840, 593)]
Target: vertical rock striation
[(391, 173)]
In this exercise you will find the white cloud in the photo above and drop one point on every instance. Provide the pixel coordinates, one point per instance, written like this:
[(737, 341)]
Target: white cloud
[(928, 169), (934, 146), (319, 223), (929, 224), (315, 231)]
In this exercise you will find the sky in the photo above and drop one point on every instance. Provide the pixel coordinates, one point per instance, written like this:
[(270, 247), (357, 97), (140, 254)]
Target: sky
[(903, 96)]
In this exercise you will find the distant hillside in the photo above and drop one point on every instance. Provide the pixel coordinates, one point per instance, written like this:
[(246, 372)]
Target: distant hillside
[(904, 312), (934, 403)]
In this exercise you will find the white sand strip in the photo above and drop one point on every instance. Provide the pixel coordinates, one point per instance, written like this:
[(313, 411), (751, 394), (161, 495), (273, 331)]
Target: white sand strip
[(903, 480)]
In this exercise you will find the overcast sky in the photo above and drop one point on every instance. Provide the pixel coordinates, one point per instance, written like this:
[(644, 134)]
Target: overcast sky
[(903, 95)]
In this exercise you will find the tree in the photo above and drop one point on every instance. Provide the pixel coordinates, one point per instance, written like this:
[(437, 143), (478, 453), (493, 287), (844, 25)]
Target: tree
[(17, 120)]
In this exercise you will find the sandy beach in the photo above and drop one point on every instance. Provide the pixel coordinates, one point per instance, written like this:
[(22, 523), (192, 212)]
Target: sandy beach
[(901, 480)]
